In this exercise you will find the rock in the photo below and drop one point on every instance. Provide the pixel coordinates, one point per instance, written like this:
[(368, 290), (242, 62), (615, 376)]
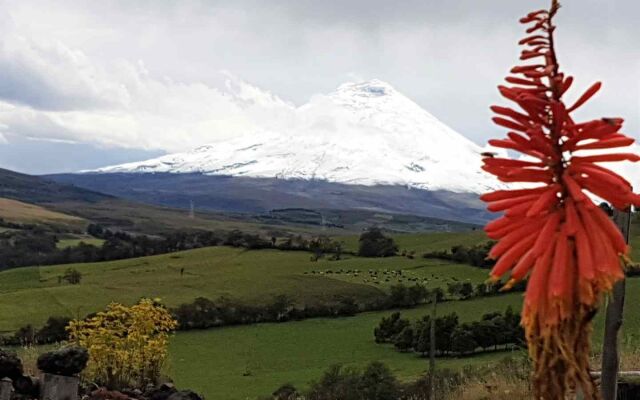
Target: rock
[(162, 392), (104, 394), (185, 395), (59, 387), (10, 365), (69, 361), (6, 389), (27, 385)]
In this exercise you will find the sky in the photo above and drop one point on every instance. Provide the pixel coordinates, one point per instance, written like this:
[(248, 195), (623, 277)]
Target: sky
[(85, 84)]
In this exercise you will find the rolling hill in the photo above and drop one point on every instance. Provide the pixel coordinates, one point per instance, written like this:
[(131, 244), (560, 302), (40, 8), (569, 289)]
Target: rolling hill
[(15, 211)]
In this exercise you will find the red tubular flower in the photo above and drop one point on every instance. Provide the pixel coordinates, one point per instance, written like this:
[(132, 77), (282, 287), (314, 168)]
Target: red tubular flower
[(553, 233)]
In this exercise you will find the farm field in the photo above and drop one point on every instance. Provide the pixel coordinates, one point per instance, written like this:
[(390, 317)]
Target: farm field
[(248, 361), (423, 242), (24, 213), (216, 361), (32, 294), (77, 239)]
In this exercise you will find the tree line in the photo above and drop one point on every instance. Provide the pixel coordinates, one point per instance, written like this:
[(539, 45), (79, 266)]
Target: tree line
[(473, 255), (53, 331), (38, 246), (204, 313), (452, 338), (376, 381)]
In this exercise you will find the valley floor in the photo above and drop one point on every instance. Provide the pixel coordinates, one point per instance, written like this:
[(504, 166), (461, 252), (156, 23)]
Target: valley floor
[(244, 362)]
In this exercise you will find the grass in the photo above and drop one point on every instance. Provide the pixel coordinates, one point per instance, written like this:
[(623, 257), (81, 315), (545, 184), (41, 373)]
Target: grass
[(245, 362), (423, 242), (32, 294), (248, 361), (25, 213), (73, 242)]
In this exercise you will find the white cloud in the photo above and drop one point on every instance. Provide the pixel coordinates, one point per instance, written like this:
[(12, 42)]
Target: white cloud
[(69, 69), (52, 92)]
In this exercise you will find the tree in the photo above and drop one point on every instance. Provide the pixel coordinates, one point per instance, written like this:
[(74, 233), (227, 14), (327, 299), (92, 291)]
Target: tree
[(403, 341), (484, 333), (378, 383), (444, 331), (337, 382), (422, 337), (373, 243), (466, 290), (389, 327), (54, 330), (280, 308), (417, 294), (462, 340), (72, 276), (439, 294), (286, 392)]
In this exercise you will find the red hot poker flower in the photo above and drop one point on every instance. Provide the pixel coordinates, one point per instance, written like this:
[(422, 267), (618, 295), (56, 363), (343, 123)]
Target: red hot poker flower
[(553, 233)]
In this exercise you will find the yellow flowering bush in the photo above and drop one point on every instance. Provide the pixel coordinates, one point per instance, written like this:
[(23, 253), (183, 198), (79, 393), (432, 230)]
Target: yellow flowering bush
[(127, 345)]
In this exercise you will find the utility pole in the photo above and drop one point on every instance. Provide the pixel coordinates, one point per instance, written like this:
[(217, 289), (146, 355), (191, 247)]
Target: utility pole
[(432, 347), (192, 211), (613, 322)]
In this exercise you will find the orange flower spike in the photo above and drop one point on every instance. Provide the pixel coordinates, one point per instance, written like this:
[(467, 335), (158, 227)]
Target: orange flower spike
[(545, 201), (509, 258), (523, 232), (505, 194), (546, 233), (586, 96), (523, 266), (557, 280), (554, 233)]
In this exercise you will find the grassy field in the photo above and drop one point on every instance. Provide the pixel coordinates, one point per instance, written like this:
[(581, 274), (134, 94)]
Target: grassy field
[(25, 213), (76, 240), (245, 362), (31, 295), (423, 242)]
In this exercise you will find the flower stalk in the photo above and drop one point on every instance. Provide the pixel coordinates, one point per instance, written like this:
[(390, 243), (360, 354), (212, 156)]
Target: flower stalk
[(551, 232)]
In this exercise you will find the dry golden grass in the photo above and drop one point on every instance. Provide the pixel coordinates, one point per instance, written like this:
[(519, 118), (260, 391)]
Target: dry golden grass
[(496, 388), (508, 379), (629, 359), (19, 212)]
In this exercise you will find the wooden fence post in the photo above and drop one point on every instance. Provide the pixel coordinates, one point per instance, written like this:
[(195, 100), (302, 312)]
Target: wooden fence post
[(6, 387), (58, 387), (432, 348), (613, 323)]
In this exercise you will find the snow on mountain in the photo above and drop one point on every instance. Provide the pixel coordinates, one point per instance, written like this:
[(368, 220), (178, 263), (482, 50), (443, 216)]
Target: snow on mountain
[(363, 133)]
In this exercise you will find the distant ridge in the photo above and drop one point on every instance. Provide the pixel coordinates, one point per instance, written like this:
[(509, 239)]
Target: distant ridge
[(33, 189)]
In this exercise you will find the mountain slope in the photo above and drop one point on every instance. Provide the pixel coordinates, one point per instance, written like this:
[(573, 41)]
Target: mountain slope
[(262, 195), (33, 189), (362, 134)]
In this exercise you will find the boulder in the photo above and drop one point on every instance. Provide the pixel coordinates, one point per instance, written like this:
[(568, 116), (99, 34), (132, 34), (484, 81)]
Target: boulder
[(10, 365), (28, 386), (69, 361), (185, 395), (161, 392)]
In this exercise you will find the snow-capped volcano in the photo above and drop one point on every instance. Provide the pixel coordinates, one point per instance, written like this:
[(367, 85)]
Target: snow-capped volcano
[(363, 133)]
